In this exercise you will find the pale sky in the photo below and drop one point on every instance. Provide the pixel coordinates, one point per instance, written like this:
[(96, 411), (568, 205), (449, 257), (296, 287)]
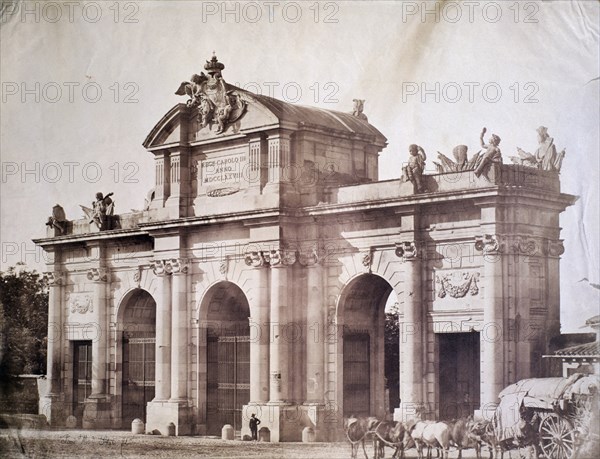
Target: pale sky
[(83, 84)]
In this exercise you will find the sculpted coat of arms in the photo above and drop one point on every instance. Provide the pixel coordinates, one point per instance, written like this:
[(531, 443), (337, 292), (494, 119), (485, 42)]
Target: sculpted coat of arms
[(216, 104)]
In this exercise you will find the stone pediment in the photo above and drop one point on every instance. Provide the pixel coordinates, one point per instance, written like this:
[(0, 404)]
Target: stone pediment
[(184, 124)]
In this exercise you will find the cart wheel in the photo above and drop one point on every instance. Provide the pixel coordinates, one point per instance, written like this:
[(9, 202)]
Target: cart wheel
[(557, 437)]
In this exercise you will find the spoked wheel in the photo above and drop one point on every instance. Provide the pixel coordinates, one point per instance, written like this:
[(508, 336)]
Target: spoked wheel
[(557, 437)]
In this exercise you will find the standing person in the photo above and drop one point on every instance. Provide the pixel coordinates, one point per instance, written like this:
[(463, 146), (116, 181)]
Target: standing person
[(254, 422)]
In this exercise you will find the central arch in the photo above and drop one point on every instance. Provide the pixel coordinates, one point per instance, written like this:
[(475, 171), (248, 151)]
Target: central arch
[(361, 315), (225, 352)]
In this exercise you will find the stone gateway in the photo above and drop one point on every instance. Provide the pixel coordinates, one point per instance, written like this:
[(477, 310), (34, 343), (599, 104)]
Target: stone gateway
[(255, 279)]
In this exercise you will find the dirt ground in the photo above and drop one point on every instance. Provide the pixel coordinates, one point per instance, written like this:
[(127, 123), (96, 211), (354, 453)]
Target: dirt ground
[(26, 443)]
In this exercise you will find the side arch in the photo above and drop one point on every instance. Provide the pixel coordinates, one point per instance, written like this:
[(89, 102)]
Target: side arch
[(223, 356), (362, 389)]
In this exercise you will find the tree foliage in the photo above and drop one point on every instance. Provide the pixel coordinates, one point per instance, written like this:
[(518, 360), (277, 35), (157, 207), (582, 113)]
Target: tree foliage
[(23, 323), (392, 355)]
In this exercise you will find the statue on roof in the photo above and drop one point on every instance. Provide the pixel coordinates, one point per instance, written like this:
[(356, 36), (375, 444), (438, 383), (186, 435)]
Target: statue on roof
[(359, 105), (491, 156), (58, 220), (413, 171), (216, 104), (101, 211), (461, 163), (545, 157)]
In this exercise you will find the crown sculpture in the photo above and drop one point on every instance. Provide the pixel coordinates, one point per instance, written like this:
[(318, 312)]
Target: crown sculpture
[(216, 104)]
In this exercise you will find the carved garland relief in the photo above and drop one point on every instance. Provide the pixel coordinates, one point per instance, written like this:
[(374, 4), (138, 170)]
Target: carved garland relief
[(81, 303), (457, 285)]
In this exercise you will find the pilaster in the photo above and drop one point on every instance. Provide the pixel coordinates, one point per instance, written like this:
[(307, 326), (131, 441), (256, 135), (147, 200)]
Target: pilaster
[(97, 410), (259, 329), (279, 260), (411, 335), (492, 335), (51, 404)]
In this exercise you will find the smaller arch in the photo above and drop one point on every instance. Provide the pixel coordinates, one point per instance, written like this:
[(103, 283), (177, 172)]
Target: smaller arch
[(135, 353), (360, 287), (361, 323), (223, 298), (131, 296), (223, 355)]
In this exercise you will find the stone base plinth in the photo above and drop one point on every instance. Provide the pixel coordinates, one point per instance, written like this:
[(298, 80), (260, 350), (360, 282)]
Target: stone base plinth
[(408, 411), (97, 413), (160, 413), (54, 409), (325, 420), (285, 421)]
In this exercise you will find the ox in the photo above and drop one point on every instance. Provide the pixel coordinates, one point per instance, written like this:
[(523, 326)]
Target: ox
[(388, 433), (357, 430), (463, 436), (485, 433), (431, 434)]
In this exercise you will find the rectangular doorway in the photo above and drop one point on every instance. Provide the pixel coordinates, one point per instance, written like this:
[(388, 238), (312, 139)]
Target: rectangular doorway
[(138, 377), (228, 381), (458, 374), (82, 377), (357, 372)]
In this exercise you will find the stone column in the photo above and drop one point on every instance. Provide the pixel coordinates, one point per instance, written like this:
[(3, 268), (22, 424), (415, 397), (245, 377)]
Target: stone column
[(278, 356), (50, 402), (99, 277), (163, 331), (411, 334), (259, 330), (491, 337), (96, 413), (315, 336), (179, 331), (54, 280), (171, 402)]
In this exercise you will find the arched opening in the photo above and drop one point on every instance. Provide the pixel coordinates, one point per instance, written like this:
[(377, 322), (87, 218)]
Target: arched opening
[(225, 313), (368, 379), (138, 355)]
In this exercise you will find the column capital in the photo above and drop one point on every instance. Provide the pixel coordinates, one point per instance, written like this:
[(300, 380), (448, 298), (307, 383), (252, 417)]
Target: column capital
[(169, 266), (178, 265), (407, 250), (255, 259), (489, 244), (54, 278), (98, 274), (280, 257), (525, 245), (309, 258), (159, 267), (553, 248)]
